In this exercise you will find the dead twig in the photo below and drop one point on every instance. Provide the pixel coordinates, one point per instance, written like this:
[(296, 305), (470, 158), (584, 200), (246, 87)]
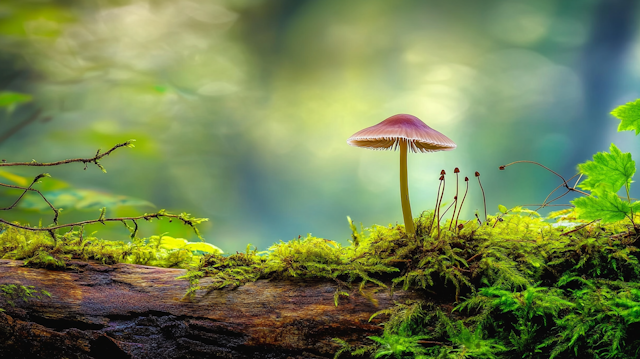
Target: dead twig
[(579, 228), (86, 161), (27, 189), (185, 218)]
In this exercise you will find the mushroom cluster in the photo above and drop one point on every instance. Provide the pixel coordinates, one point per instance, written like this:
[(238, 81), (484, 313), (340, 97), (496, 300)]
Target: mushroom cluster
[(406, 133)]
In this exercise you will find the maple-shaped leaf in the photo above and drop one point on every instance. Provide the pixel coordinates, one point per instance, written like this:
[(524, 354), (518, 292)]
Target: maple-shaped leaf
[(608, 171), (607, 207), (630, 115)]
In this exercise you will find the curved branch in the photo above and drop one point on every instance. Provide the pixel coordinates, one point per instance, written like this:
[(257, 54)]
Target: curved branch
[(183, 217), (564, 182), (26, 189), (541, 165), (86, 161), (191, 222)]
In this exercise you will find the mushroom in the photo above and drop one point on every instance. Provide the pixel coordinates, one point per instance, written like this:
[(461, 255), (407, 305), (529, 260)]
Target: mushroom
[(403, 132)]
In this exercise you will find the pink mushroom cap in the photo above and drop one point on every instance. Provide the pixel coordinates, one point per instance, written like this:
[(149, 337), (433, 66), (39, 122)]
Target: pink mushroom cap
[(387, 136)]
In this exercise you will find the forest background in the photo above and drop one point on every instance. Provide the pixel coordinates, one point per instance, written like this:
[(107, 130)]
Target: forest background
[(241, 108)]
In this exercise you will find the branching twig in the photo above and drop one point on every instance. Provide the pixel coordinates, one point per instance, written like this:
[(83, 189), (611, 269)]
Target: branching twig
[(546, 200), (26, 189), (579, 228), (541, 165), (185, 218), (564, 182), (86, 161)]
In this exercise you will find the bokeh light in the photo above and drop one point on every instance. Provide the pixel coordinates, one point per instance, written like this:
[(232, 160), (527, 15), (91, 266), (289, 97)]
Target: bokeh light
[(241, 108)]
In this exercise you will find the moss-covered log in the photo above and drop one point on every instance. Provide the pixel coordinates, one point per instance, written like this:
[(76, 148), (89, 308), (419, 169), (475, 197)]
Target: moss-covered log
[(133, 311)]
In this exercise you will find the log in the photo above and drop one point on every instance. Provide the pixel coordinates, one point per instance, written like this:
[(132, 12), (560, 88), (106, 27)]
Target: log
[(135, 311)]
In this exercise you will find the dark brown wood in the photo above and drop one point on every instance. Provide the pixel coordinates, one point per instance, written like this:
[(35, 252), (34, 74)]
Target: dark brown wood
[(133, 311)]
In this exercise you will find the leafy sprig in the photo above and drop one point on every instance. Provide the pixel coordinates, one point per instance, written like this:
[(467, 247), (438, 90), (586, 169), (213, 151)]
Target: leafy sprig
[(130, 222), (629, 114), (608, 173)]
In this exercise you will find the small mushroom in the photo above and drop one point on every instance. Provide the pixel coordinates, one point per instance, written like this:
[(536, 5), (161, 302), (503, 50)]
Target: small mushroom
[(402, 132)]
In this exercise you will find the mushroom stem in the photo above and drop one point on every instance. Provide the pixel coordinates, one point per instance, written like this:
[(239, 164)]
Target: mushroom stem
[(404, 191)]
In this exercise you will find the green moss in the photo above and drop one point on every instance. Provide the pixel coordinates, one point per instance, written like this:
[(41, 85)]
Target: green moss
[(308, 257), (39, 249), (516, 286)]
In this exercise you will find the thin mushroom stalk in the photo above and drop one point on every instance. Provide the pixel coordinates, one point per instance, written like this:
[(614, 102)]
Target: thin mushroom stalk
[(455, 198), (442, 173), (406, 133), (466, 180), (404, 191), (435, 208), (484, 200)]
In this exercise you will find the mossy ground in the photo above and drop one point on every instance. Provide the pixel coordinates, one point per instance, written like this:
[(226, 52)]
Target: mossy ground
[(514, 286), (40, 250)]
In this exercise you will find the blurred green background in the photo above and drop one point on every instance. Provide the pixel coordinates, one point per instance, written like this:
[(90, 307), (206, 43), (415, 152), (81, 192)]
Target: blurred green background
[(241, 108)]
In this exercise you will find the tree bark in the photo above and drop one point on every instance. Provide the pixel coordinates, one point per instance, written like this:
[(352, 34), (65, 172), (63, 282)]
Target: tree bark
[(133, 311)]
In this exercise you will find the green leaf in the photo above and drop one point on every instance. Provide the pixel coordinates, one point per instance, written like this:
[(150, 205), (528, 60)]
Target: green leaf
[(607, 207), (630, 115), (608, 171), (203, 247), (11, 99), (103, 212), (502, 209), (18, 180), (171, 243), (48, 185)]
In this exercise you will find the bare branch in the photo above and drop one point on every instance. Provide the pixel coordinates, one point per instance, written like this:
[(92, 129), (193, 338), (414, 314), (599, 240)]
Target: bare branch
[(27, 189), (86, 161), (185, 218), (564, 184), (536, 163), (578, 228)]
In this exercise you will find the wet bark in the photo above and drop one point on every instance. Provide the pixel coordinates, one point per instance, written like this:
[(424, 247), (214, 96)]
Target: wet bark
[(132, 311)]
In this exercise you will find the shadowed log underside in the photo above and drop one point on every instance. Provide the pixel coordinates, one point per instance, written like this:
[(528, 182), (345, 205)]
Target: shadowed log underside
[(133, 311)]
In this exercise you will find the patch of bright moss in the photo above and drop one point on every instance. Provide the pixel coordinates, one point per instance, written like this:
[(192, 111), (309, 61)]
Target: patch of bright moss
[(39, 249), (515, 286)]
